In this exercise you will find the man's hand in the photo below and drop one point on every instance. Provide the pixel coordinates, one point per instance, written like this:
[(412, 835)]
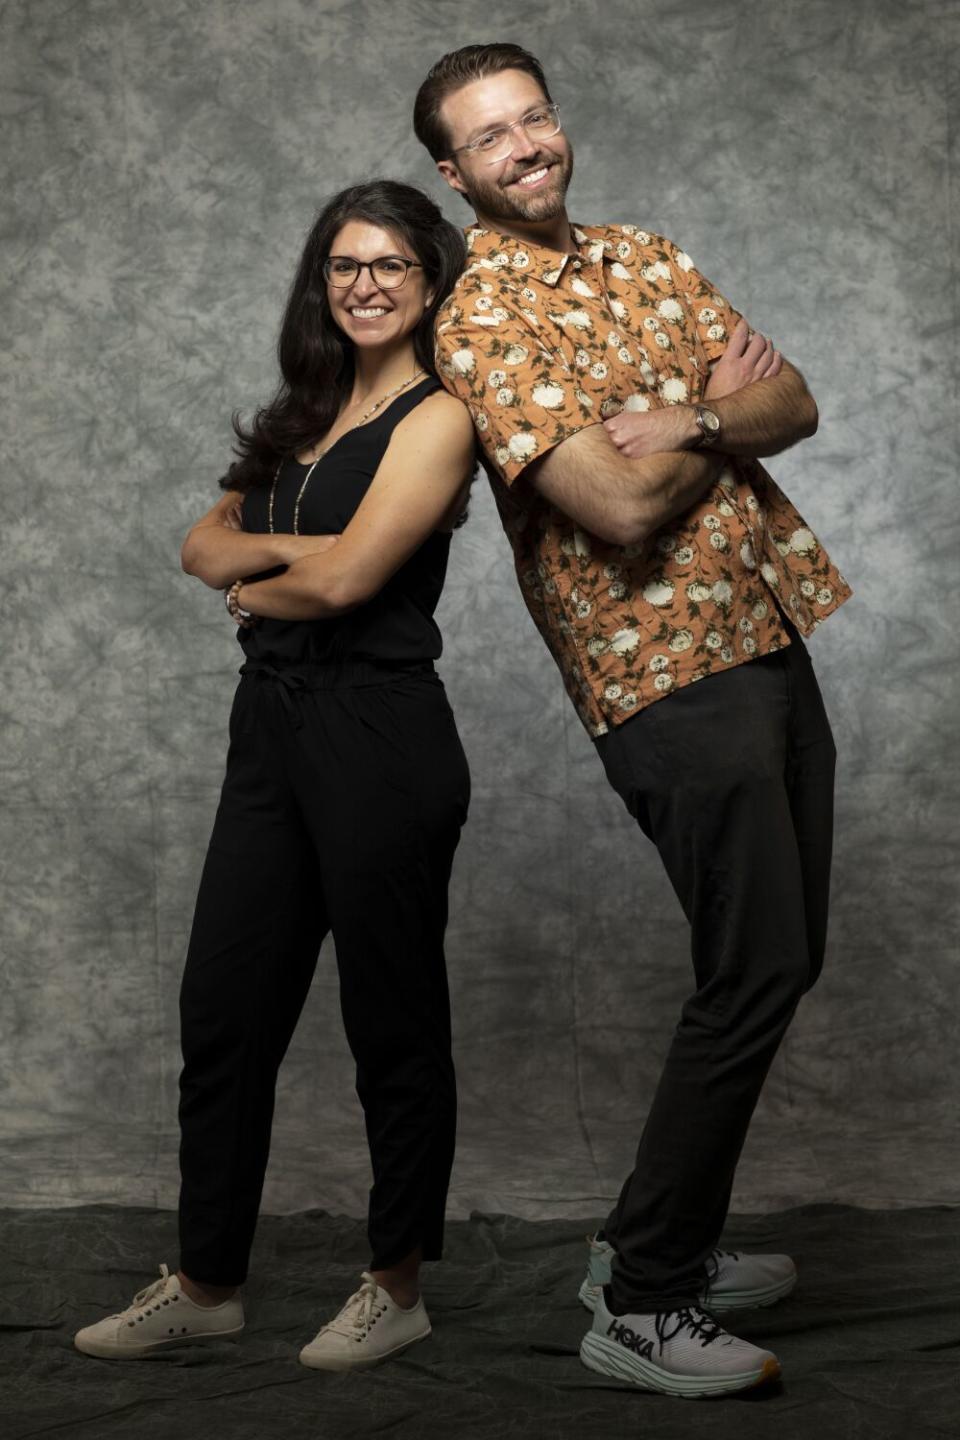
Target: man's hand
[(745, 360), (638, 433)]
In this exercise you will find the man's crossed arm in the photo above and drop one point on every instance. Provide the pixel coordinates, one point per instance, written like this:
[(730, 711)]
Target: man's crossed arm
[(624, 479)]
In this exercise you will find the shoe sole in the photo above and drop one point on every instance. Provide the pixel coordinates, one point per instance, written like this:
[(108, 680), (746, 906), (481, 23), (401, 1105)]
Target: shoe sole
[(337, 1363), (757, 1299), (607, 1358), (103, 1350)]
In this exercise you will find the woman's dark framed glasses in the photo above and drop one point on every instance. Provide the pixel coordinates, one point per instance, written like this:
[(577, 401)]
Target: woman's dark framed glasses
[(388, 272)]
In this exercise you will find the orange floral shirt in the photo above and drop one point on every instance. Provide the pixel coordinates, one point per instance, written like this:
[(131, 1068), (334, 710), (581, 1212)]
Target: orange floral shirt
[(539, 345)]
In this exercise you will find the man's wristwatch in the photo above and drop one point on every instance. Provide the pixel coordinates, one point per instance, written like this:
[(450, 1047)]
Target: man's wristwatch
[(708, 422)]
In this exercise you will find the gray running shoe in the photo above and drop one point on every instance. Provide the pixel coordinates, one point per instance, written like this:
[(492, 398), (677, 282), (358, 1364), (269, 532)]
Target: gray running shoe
[(734, 1281), (677, 1352)]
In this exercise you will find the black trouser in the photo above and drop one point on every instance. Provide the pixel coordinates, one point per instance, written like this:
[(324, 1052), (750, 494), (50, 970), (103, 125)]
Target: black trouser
[(732, 779), (341, 810)]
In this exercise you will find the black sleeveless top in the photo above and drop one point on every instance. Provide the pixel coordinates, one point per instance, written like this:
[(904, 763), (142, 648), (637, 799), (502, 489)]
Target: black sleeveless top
[(397, 624)]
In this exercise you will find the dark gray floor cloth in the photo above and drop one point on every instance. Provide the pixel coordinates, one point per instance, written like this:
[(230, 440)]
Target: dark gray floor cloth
[(870, 1341)]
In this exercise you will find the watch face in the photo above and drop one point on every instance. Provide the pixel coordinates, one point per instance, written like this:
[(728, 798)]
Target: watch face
[(710, 421)]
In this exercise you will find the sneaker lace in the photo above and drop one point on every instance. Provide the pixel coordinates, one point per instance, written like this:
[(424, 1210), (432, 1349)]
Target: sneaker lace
[(669, 1323), (713, 1263), (150, 1292), (359, 1311)]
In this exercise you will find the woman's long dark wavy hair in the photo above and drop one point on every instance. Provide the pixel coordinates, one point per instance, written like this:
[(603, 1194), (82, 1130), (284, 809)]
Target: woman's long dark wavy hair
[(316, 358)]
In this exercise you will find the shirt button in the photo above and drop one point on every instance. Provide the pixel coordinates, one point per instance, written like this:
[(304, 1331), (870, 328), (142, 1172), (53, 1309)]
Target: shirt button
[(578, 264)]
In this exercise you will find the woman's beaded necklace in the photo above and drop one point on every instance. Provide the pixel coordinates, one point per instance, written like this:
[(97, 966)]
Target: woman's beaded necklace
[(306, 479)]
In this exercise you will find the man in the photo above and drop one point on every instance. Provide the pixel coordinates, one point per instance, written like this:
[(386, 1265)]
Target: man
[(621, 404)]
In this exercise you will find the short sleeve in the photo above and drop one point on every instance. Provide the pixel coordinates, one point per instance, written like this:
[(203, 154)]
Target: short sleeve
[(522, 401), (714, 316)]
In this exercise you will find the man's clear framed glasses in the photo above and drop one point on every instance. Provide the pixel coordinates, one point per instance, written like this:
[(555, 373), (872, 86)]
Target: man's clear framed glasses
[(496, 144), (388, 272)]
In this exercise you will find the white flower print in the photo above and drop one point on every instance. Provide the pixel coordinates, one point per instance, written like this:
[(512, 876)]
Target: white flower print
[(598, 370), (582, 609), (582, 359), (486, 287), (625, 355), (612, 571), (759, 610), (719, 541), (783, 546), (624, 251), (683, 260), (609, 407), (551, 397), (711, 522), (749, 644), (618, 308), (808, 588), (596, 645), (659, 270), (681, 640), (529, 295), (744, 624), (662, 340), (463, 361), (683, 556), (515, 354), (579, 319), (501, 455), (717, 332), (658, 592), (663, 682), (480, 420), (725, 507), (499, 313), (499, 260), (659, 662), (670, 310), (522, 446), (698, 592), (747, 556), (619, 271), (650, 323), (752, 502), (580, 287), (770, 575), (722, 592), (482, 303), (628, 702), (643, 237), (803, 542), (624, 641), (504, 395), (496, 378), (637, 402), (520, 260), (824, 595), (617, 590), (726, 654), (551, 277), (674, 391), (713, 640), (707, 316), (581, 544), (584, 399), (613, 691), (614, 338)]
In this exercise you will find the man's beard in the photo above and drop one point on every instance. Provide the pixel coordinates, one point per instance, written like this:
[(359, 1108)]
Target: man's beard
[(492, 202)]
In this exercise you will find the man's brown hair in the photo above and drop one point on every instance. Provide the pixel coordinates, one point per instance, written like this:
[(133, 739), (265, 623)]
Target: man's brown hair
[(453, 71)]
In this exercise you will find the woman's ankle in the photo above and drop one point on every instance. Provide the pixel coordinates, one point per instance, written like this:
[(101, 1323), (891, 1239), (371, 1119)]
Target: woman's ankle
[(207, 1295)]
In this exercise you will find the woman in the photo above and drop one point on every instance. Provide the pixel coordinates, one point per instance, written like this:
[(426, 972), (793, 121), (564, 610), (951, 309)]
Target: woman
[(346, 785)]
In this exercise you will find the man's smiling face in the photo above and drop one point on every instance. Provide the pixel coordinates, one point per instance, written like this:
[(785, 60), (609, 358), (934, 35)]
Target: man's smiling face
[(530, 183)]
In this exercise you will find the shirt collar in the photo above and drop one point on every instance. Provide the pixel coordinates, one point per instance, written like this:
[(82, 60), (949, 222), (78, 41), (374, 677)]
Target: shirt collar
[(492, 251)]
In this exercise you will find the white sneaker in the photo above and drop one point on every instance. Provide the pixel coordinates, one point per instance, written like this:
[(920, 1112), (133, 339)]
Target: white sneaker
[(678, 1352), (160, 1316), (734, 1282), (371, 1327)]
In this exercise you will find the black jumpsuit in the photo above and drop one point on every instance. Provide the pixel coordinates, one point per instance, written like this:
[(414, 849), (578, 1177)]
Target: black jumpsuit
[(345, 792)]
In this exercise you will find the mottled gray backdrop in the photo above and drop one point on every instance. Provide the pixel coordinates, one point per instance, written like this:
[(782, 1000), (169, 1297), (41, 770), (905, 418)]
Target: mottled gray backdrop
[(163, 162)]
